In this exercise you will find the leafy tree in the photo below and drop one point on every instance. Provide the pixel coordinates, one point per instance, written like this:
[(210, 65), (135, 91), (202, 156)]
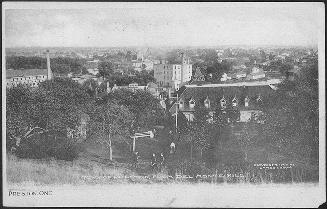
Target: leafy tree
[(90, 86), (108, 121), (61, 65), (292, 119), (52, 107), (198, 131), (146, 108), (246, 139), (105, 69), (218, 69)]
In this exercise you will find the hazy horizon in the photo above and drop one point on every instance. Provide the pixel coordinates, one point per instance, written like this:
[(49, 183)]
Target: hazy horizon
[(164, 25)]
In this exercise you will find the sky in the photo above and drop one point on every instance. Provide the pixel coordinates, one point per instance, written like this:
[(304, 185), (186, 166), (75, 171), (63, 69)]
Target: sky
[(160, 24)]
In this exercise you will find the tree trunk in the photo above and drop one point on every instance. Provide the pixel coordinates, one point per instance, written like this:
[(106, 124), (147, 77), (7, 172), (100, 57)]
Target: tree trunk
[(191, 150), (246, 155), (110, 148)]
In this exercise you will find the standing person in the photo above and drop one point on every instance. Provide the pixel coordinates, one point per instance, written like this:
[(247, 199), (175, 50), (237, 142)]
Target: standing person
[(154, 164), (161, 161), (135, 159), (172, 148)]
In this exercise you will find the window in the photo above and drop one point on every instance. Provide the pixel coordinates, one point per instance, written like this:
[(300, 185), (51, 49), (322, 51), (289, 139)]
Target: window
[(234, 102), (192, 103), (223, 102), (246, 101), (207, 103), (181, 104)]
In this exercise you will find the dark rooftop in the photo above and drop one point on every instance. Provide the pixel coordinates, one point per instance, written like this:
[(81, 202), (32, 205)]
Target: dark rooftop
[(27, 72)]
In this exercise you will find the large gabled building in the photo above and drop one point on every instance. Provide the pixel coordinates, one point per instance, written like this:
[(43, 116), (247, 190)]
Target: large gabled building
[(247, 97)]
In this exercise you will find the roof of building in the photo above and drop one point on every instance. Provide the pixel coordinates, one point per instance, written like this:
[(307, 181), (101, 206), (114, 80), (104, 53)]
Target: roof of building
[(25, 73), (215, 94), (152, 85)]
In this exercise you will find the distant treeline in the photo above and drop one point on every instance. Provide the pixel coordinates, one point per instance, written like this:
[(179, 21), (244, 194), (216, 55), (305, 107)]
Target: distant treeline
[(62, 65)]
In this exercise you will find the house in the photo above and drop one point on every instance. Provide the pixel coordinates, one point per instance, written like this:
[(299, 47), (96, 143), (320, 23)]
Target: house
[(238, 72), (248, 98), (225, 77), (153, 89), (256, 73), (131, 86)]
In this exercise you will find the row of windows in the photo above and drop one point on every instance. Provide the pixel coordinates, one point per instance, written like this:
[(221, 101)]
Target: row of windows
[(33, 84), (28, 78), (223, 102)]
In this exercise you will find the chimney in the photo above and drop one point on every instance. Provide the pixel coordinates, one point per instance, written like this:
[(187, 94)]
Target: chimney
[(48, 66)]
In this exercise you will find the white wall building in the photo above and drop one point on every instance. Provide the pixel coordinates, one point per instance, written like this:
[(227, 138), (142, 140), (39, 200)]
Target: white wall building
[(173, 75)]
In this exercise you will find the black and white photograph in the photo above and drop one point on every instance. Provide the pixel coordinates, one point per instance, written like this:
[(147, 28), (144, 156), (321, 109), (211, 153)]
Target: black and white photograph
[(163, 104)]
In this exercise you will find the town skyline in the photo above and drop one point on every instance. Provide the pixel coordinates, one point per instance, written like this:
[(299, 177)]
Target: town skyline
[(164, 24)]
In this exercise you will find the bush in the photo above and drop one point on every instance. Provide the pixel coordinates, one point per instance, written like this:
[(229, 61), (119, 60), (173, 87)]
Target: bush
[(48, 145)]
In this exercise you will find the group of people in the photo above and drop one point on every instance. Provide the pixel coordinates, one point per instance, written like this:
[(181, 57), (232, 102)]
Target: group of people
[(157, 160)]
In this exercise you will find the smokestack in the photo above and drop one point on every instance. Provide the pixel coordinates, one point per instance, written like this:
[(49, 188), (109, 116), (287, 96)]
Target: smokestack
[(48, 66)]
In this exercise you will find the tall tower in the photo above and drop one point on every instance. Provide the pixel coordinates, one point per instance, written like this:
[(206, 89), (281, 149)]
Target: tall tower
[(182, 68), (48, 66)]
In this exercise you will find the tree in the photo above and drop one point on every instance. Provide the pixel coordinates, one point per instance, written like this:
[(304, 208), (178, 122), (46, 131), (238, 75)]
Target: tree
[(109, 120), (105, 69), (246, 139), (199, 131), (146, 108), (90, 86), (61, 65), (292, 116), (54, 106)]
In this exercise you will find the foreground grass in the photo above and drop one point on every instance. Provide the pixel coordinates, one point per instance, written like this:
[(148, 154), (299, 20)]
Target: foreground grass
[(81, 171)]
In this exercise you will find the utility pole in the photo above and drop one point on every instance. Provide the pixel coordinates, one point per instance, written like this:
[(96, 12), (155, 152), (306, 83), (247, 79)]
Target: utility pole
[(176, 104), (133, 148)]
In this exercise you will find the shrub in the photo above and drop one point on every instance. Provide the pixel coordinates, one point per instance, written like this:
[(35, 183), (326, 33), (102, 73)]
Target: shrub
[(48, 145)]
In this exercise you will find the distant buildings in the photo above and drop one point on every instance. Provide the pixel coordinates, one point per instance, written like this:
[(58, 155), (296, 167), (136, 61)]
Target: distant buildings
[(82, 78), (143, 65), (241, 73), (28, 77), (256, 73), (173, 75), (92, 67)]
